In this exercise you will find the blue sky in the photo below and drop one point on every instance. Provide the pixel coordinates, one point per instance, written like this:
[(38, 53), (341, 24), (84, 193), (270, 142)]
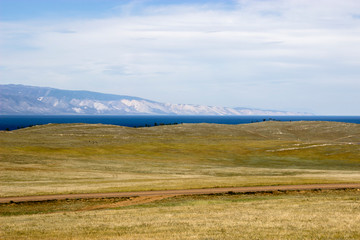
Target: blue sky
[(294, 55)]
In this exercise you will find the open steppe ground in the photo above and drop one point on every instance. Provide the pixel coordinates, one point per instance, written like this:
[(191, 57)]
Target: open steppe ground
[(326, 214), (79, 158), (76, 158)]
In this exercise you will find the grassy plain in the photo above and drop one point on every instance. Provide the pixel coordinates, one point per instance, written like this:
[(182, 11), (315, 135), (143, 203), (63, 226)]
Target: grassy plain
[(291, 215), (76, 158)]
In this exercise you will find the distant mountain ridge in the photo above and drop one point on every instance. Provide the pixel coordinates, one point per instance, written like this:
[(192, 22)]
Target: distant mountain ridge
[(24, 100)]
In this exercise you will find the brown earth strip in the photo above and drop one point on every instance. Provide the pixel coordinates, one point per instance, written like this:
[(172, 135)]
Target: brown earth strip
[(180, 192)]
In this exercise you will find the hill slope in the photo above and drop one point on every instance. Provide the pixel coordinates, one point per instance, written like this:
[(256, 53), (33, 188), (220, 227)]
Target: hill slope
[(63, 158)]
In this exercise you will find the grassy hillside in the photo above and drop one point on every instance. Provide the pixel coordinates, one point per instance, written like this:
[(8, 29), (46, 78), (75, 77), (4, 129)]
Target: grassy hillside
[(65, 158)]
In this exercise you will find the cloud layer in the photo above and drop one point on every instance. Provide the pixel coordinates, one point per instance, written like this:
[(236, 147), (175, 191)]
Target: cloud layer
[(286, 55)]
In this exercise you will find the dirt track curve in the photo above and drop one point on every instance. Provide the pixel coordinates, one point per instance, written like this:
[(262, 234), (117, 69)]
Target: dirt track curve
[(181, 192)]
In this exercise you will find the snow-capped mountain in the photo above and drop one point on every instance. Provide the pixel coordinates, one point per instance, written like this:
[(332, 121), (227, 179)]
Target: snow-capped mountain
[(20, 99)]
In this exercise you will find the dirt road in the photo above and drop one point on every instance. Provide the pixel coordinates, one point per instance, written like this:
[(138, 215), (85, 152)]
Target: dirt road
[(180, 192)]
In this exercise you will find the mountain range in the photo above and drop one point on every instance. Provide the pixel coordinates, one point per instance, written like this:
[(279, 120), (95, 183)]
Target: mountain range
[(24, 100)]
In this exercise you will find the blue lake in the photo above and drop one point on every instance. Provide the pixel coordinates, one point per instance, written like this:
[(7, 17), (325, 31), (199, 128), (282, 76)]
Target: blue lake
[(14, 122)]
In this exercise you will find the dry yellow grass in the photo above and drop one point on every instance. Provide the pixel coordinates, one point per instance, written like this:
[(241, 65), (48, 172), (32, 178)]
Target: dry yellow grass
[(68, 158), (306, 215), (98, 158)]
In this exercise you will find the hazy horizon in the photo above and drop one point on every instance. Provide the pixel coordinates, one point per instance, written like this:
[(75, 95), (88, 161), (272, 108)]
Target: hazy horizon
[(286, 55)]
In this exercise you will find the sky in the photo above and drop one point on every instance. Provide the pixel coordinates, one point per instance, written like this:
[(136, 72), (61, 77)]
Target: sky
[(291, 55)]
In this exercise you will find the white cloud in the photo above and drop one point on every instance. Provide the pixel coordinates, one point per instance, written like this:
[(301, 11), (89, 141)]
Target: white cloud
[(196, 50)]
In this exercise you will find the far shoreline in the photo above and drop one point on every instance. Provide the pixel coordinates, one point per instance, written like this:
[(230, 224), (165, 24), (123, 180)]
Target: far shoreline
[(13, 122)]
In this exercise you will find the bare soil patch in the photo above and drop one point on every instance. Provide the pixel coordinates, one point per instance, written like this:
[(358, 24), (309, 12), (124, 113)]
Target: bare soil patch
[(148, 196)]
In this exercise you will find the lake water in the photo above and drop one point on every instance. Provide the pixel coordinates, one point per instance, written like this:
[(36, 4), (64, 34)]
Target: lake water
[(15, 122)]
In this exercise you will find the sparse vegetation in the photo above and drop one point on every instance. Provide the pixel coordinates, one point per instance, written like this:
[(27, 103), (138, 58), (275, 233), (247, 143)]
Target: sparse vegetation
[(68, 158), (291, 215)]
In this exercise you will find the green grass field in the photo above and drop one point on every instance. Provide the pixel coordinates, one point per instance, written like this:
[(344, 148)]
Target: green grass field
[(75, 158)]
